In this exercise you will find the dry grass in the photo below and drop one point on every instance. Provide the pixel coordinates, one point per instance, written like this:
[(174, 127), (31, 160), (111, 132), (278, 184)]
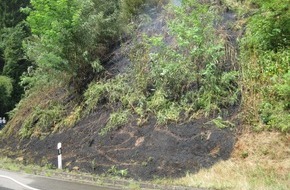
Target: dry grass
[(260, 161), (39, 98)]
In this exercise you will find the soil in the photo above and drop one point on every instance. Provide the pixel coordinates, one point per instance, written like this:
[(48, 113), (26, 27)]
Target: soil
[(146, 152)]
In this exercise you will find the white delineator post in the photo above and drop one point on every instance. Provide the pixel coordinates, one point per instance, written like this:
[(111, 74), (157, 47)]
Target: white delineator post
[(59, 159)]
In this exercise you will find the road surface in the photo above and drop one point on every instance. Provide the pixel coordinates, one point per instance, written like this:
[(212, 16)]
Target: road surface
[(19, 181)]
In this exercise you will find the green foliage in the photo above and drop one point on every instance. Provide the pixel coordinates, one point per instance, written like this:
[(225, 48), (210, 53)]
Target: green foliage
[(116, 172), (283, 90), (220, 123), (130, 7), (98, 22), (270, 27), (192, 71), (11, 43), (12, 61), (169, 79), (10, 15), (6, 89), (107, 91), (275, 111), (117, 119), (38, 79), (52, 24), (265, 56), (73, 36), (93, 95), (99, 28), (274, 63), (6, 86), (42, 120), (15, 63)]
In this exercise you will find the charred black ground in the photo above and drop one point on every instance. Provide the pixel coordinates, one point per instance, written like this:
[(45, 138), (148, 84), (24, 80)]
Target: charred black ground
[(147, 152)]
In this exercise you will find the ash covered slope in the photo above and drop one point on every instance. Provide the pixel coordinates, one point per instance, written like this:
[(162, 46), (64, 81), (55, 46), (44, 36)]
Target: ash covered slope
[(145, 152)]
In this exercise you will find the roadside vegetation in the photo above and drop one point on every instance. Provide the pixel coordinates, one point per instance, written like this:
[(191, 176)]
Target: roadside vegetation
[(259, 161), (55, 70), (265, 64), (17, 165)]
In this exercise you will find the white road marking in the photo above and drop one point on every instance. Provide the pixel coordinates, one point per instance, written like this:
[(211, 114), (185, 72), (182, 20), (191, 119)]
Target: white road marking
[(19, 183)]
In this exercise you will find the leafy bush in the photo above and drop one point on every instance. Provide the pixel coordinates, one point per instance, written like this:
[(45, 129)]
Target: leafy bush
[(42, 120), (116, 120), (72, 36), (173, 79), (265, 56), (130, 7), (275, 111), (117, 172), (10, 14), (270, 26), (6, 89), (190, 69), (282, 89)]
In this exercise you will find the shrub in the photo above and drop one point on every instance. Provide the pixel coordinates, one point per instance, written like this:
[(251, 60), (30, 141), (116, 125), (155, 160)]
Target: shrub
[(116, 120), (42, 121), (72, 36), (270, 26), (265, 56), (6, 89), (175, 78)]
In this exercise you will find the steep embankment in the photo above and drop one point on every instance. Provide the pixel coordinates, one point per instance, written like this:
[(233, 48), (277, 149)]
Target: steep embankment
[(150, 149), (147, 151)]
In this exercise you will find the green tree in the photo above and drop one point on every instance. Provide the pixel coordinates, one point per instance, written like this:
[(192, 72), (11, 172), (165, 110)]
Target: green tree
[(14, 60), (51, 24), (6, 89), (72, 36), (12, 33), (10, 14)]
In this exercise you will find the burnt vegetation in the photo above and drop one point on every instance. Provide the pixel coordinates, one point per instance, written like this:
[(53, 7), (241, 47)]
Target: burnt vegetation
[(155, 88)]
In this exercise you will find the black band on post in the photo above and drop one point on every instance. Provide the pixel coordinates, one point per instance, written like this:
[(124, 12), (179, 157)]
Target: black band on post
[(59, 151)]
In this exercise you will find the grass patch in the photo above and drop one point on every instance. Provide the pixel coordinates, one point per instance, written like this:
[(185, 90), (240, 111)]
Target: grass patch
[(16, 165), (266, 166), (116, 120), (235, 175)]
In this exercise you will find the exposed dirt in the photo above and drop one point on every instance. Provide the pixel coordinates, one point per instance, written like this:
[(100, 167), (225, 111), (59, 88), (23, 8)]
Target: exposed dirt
[(147, 152)]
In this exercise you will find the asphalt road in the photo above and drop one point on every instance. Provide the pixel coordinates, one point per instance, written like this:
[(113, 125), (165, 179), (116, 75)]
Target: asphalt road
[(19, 181)]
